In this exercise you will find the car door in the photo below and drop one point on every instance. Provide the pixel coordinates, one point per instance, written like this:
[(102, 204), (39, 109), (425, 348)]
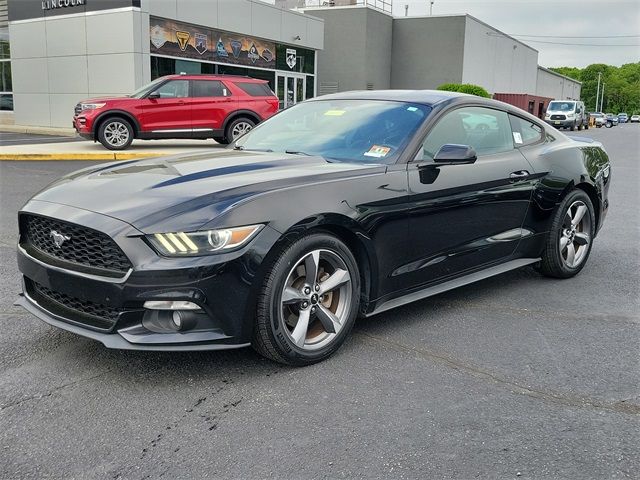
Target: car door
[(211, 102), (170, 113), (466, 216)]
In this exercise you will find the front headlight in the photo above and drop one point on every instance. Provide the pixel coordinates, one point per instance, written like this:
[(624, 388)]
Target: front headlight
[(91, 106), (178, 244)]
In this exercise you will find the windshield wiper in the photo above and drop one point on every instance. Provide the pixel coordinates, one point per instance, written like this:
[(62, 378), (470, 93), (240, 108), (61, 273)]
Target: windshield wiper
[(293, 152)]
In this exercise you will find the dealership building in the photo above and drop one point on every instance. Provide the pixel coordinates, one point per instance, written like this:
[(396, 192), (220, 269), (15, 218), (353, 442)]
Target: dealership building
[(54, 53)]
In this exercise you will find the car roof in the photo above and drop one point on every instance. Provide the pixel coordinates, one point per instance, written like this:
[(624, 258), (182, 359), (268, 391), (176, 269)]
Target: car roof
[(208, 76), (427, 97)]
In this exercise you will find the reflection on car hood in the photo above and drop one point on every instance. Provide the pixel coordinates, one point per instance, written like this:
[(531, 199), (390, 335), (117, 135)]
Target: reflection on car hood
[(145, 193)]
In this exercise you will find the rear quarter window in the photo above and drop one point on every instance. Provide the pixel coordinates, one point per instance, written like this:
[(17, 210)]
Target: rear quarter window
[(255, 89)]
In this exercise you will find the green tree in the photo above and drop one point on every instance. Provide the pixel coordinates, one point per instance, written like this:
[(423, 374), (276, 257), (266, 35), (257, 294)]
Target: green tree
[(465, 88)]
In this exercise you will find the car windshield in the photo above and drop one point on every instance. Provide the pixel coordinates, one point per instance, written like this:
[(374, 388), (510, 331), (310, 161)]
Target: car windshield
[(562, 106), (148, 88), (364, 131)]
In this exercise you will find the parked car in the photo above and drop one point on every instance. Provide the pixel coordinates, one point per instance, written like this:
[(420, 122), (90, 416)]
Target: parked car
[(342, 206), (567, 114), (178, 106), (623, 118), (600, 120), (635, 118), (612, 119)]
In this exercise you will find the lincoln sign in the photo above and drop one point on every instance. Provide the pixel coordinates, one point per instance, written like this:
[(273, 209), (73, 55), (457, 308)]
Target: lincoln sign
[(52, 4)]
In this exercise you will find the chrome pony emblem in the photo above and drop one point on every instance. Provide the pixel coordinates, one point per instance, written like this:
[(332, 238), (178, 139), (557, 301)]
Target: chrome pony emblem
[(58, 238)]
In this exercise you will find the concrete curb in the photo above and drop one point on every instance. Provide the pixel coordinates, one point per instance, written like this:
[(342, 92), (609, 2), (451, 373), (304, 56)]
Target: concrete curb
[(61, 132), (109, 157)]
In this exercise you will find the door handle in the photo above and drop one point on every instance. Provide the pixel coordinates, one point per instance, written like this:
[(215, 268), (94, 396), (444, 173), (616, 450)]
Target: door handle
[(519, 175)]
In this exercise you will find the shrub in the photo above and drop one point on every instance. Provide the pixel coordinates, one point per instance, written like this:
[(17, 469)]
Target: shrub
[(465, 88)]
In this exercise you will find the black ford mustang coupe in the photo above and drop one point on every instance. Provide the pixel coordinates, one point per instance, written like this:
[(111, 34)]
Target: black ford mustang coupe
[(343, 206)]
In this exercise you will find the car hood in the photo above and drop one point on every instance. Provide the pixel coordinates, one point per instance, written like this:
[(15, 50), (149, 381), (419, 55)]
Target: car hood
[(106, 99), (187, 191)]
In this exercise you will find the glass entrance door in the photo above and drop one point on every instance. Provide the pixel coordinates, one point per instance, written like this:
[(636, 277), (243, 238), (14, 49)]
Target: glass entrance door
[(291, 89)]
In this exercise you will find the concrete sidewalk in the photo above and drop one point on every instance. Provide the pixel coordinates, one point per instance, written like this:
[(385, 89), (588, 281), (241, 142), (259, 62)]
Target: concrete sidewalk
[(88, 150)]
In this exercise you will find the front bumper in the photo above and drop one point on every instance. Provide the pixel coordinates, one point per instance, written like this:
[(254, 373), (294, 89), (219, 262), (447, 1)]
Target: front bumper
[(562, 123), (221, 285)]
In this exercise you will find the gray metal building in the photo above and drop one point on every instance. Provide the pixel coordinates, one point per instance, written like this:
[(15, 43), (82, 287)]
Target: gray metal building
[(368, 48), (65, 50)]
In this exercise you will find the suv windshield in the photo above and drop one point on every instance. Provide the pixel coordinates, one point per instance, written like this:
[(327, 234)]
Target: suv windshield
[(562, 106), (365, 131), (148, 88)]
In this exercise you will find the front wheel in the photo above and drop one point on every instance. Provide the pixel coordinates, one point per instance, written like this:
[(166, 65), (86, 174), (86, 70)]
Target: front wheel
[(115, 133), (309, 301), (569, 242)]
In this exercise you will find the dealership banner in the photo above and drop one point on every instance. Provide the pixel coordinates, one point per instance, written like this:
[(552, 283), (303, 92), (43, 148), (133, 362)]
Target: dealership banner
[(184, 40)]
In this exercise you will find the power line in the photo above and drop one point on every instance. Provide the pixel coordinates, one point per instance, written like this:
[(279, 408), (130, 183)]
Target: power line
[(586, 44), (562, 36)]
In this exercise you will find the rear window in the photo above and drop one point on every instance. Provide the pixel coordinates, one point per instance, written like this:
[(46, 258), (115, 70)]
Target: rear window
[(208, 88), (255, 89)]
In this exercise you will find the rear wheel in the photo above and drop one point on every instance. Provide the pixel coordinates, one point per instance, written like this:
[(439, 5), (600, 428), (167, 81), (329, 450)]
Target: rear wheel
[(309, 301), (237, 128), (115, 133), (569, 242)]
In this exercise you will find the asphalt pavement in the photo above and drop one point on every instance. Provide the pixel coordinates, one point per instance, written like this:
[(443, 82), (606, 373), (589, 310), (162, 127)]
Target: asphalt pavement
[(10, 139), (517, 376)]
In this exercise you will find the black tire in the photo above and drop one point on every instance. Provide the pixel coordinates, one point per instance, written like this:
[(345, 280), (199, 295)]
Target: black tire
[(272, 336), (579, 127), (237, 123), (586, 126), (573, 127), (553, 262), (221, 140), (115, 133)]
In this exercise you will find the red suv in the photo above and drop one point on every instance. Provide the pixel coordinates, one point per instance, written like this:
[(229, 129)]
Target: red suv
[(178, 106)]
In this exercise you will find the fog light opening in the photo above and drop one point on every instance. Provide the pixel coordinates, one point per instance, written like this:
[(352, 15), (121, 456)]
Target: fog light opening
[(176, 320)]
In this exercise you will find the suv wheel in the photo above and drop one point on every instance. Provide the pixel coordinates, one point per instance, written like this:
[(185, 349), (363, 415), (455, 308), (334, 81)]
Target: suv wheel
[(115, 133), (309, 301), (237, 128)]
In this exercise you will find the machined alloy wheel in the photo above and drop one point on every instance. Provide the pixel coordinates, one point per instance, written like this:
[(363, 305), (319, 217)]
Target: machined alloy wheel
[(115, 133), (576, 234), (315, 300), (309, 300), (570, 238), (239, 129)]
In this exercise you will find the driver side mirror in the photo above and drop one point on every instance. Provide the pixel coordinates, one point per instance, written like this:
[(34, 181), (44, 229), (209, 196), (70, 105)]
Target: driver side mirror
[(154, 95), (453, 154)]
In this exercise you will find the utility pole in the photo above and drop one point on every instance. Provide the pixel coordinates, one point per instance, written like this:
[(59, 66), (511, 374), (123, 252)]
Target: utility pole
[(598, 91), (602, 98), (431, 7)]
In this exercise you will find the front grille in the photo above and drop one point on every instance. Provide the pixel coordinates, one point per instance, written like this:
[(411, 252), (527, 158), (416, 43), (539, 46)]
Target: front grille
[(558, 117), (77, 109), (74, 309), (84, 246)]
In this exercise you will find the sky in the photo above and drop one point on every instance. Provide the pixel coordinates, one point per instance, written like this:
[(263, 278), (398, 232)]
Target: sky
[(567, 18)]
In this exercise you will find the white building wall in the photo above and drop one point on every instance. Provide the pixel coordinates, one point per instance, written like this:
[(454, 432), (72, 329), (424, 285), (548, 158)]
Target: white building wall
[(496, 61), (58, 61), (554, 85)]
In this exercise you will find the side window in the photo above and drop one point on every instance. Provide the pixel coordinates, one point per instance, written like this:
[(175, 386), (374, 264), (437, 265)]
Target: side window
[(255, 89), (174, 89), (486, 130), (524, 131), (209, 88)]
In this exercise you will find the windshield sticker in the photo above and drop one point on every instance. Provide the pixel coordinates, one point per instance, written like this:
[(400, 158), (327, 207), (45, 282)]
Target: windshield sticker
[(335, 113), (517, 137), (377, 151), (412, 109)]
